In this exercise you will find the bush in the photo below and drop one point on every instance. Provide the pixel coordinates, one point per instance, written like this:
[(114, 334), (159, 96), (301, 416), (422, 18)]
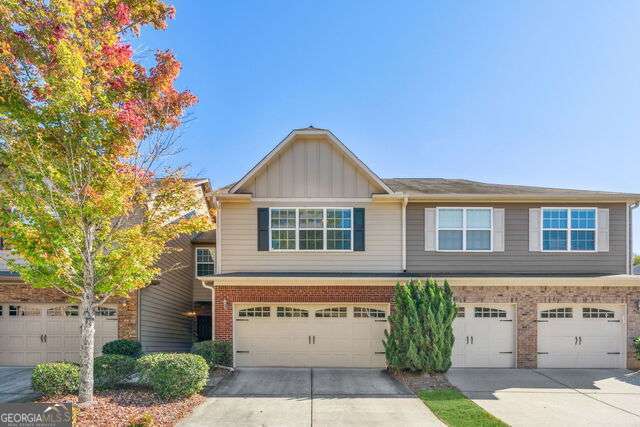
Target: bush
[(129, 348), (146, 362), (173, 375), (421, 336), (214, 352), (109, 370), (144, 420), (56, 378), (636, 345)]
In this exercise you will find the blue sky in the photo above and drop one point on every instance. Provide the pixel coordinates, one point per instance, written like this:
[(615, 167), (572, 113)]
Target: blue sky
[(519, 92)]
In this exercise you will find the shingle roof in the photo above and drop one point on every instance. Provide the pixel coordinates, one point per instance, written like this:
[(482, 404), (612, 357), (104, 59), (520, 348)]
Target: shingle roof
[(424, 186), (208, 237)]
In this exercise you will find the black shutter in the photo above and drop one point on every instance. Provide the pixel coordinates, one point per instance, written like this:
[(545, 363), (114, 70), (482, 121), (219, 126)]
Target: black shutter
[(263, 229), (358, 229)]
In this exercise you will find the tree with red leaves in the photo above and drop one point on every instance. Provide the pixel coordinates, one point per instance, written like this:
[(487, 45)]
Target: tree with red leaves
[(89, 199)]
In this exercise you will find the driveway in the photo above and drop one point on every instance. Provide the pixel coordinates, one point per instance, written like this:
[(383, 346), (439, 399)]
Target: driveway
[(560, 397), (15, 384), (305, 396)]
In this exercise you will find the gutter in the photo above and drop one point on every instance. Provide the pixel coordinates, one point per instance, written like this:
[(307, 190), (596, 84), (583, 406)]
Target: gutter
[(213, 309), (405, 201)]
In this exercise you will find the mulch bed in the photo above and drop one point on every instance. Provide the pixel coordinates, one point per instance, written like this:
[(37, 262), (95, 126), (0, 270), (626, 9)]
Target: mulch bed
[(417, 382), (121, 407)]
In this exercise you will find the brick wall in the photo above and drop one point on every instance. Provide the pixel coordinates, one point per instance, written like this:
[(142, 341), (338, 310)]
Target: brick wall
[(525, 298), (21, 292)]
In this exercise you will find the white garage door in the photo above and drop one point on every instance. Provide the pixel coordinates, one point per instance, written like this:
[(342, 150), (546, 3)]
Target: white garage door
[(484, 336), (322, 335), (581, 336), (34, 333)]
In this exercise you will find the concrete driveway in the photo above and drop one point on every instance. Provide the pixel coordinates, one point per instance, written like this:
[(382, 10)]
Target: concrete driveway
[(554, 397), (318, 397), (15, 384)]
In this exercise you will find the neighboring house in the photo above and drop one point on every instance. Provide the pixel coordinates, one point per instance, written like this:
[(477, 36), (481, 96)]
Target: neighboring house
[(310, 243), (40, 324)]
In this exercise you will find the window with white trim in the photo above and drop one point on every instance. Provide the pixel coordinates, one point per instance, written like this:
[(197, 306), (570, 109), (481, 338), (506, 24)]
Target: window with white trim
[(332, 312), (569, 229), (597, 313), (205, 262), (255, 312), (460, 312), (311, 229), (360, 312), (557, 313), (465, 229), (291, 312), (484, 312)]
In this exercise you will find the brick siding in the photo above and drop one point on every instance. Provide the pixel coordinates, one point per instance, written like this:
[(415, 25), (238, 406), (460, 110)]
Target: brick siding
[(525, 298), (21, 292)]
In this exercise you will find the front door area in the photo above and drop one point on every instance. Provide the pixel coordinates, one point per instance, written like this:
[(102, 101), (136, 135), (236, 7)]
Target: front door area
[(310, 335)]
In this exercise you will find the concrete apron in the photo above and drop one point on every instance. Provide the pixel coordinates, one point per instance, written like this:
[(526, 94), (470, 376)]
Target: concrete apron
[(305, 396)]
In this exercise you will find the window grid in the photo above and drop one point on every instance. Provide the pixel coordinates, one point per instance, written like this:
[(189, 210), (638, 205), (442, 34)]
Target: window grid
[(569, 229), (484, 312), (361, 312), (597, 313), (255, 312), (291, 312), (332, 312), (205, 262), (296, 229), (465, 228), (557, 313), (460, 312), (105, 311)]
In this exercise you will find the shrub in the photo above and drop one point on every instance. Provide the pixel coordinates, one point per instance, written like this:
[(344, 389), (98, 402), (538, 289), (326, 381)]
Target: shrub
[(636, 345), (177, 375), (129, 348), (109, 370), (144, 420), (214, 352), (146, 362), (421, 336), (56, 378)]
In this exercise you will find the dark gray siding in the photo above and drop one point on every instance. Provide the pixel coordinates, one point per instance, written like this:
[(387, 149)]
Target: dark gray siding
[(516, 259), (163, 324)]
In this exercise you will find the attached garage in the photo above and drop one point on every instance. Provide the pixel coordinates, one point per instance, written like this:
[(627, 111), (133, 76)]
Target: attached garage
[(484, 336), (34, 333), (581, 336), (319, 335)]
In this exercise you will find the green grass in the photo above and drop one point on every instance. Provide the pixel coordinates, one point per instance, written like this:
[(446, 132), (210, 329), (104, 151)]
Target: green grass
[(454, 409)]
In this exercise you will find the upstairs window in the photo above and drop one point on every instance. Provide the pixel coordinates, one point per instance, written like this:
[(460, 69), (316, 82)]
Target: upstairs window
[(464, 229), (311, 229), (205, 262), (569, 229)]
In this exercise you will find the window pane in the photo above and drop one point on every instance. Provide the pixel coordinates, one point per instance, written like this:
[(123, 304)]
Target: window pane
[(283, 239), (554, 218), (450, 218), (338, 218), (478, 240), (450, 240), (478, 218), (204, 255), (583, 218), (338, 239), (554, 240), (205, 270), (283, 218), (311, 239), (311, 218), (582, 240)]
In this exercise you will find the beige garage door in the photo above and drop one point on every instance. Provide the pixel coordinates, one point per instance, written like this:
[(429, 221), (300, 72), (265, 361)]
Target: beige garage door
[(581, 336), (34, 333), (321, 335), (484, 336)]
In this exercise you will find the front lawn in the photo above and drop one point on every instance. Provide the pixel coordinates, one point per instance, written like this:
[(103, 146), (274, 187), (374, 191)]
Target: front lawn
[(454, 409)]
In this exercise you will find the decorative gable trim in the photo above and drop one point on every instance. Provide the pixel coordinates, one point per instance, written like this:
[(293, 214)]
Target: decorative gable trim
[(310, 132)]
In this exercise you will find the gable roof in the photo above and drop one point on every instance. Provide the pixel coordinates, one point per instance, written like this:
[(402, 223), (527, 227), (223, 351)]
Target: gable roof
[(310, 131)]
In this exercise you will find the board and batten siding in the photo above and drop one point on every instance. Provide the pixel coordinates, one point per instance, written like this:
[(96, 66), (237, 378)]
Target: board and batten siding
[(383, 242), (163, 323), (516, 258), (310, 168)]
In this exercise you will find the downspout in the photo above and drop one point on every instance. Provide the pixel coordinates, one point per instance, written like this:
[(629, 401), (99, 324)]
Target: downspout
[(405, 200), (213, 308), (630, 208)]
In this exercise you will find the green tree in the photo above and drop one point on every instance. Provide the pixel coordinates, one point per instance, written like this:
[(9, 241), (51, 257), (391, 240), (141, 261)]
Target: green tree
[(88, 197), (636, 260)]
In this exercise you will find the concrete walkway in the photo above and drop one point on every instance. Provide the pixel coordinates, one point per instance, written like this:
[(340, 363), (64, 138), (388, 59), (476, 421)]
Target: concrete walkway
[(15, 384), (554, 397), (306, 397)]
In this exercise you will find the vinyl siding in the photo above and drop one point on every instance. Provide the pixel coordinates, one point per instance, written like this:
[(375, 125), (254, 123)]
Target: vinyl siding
[(310, 168), (516, 258), (163, 325), (383, 240)]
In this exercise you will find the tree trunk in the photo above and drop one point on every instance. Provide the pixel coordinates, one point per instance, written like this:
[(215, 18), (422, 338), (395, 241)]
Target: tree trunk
[(87, 335)]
